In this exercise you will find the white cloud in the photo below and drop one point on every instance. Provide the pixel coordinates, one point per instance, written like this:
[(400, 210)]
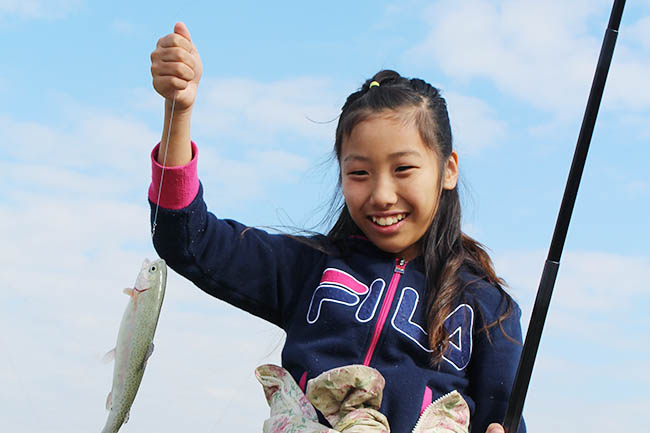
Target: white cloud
[(594, 349), (107, 156), (39, 9), (258, 111), (236, 181), (637, 32), (544, 53), (626, 87), (566, 397), (92, 154), (65, 263), (256, 115), (29, 180), (392, 13), (72, 239), (639, 122), (474, 124), (637, 189), (592, 291), (123, 27), (52, 357), (145, 99), (586, 279), (93, 140)]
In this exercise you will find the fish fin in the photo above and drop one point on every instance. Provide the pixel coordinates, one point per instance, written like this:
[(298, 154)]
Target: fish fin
[(109, 356), (128, 291), (126, 418), (147, 356), (109, 400)]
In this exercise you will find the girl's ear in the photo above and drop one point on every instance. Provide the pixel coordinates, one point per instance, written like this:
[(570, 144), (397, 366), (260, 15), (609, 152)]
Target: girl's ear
[(450, 177)]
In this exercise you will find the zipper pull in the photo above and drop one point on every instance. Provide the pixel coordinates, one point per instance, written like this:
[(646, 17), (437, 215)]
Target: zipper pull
[(400, 264)]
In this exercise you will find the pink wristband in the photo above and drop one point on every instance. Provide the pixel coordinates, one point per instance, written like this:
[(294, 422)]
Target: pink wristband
[(180, 184)]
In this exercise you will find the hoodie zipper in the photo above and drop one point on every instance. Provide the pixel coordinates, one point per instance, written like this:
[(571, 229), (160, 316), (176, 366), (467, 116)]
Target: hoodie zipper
[(400, 264), (425, 413)]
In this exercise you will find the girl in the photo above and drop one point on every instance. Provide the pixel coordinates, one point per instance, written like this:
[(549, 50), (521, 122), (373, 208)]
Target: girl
[(395, 284)]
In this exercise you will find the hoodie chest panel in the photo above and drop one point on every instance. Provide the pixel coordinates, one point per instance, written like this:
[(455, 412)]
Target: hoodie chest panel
[(374, 315), (360, 308)]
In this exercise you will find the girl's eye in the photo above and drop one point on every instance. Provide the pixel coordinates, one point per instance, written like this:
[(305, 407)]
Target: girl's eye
[(357, 173), (403, 168)]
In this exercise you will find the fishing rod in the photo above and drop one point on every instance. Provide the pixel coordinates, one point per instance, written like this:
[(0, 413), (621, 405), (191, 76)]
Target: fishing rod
[(552, 264)]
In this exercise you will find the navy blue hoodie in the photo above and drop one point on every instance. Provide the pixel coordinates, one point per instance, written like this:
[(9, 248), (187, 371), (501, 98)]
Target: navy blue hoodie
[(361, 307)]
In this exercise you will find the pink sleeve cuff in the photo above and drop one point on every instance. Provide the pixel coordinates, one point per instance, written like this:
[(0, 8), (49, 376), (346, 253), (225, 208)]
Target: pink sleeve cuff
[(180, 184)]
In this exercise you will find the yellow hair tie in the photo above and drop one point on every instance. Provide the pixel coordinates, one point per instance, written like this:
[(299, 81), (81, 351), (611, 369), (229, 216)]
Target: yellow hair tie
[(373, 84)]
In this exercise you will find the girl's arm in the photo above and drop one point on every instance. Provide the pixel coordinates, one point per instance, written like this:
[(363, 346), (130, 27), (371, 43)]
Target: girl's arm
[(258, 272), (248, 268), (176, 69)]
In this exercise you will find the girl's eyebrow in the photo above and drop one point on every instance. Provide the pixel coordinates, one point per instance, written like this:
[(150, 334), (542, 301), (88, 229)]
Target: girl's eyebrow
[(394, 155), (355, 157)]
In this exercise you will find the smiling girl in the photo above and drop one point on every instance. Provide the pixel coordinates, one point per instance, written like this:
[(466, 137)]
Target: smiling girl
[(394, 284)]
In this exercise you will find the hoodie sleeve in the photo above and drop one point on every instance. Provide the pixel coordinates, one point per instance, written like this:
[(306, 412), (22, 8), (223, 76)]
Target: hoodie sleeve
[(181, 183), (246, 267), (495, 357)]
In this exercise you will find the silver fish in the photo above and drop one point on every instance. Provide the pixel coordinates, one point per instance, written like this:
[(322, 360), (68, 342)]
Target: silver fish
[(135, 341)]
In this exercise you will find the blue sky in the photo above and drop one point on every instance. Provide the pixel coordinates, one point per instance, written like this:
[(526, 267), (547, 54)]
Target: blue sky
[(79, 118)]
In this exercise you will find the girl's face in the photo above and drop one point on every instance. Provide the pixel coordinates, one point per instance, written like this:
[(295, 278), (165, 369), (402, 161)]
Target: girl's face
[(391, 182)]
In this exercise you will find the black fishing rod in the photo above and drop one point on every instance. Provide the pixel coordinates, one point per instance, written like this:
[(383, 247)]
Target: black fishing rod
[(549, 274)]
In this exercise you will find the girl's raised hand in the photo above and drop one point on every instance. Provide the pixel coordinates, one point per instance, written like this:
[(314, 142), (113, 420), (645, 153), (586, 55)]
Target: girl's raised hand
[(176, 67)]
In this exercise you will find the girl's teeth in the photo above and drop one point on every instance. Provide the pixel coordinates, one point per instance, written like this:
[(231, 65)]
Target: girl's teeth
[(388, 221)]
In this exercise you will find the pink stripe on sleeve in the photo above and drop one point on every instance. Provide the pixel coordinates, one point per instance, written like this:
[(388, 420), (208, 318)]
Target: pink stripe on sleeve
[(180, 184)]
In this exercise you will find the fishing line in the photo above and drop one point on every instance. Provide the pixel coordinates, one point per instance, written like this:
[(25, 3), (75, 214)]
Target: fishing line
[(162, 175)]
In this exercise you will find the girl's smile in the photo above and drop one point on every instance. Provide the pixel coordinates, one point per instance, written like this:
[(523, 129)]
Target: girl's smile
[(388, 220), (391, 181), (388, 224)]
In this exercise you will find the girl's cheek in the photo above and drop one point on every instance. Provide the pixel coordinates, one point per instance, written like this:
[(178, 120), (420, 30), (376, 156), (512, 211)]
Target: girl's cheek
[(347, 188), (353, 193)]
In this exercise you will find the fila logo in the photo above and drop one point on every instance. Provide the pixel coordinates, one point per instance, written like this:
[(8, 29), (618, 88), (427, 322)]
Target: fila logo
[(340, 288)]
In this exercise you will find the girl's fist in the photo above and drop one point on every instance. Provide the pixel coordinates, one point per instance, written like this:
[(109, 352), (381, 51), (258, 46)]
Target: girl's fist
[(176, 67)]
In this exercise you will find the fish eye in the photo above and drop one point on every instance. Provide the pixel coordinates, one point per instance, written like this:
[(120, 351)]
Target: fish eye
[(153, 268)]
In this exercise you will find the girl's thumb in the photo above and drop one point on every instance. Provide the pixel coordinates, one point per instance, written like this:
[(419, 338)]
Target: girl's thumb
[(495, 428), (181, 29)]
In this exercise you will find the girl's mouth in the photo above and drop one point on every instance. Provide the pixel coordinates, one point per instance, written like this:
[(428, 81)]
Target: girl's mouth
[(389, 220), (388, 225)]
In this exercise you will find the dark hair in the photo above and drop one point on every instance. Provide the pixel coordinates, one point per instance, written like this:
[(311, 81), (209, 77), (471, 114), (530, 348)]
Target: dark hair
[(444, 248)]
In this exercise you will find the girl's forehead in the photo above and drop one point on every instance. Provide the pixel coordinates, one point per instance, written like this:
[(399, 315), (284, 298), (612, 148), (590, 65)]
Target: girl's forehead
[(404, 116), (383, 134)]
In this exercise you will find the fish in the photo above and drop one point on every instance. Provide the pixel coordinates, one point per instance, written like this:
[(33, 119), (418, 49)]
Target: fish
[(135, 341)]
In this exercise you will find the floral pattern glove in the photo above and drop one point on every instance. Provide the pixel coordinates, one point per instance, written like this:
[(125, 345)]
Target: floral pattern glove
[(291, 412), (349, 397)]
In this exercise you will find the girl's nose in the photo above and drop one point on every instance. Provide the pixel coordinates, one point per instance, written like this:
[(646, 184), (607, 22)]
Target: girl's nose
[(384, 194)]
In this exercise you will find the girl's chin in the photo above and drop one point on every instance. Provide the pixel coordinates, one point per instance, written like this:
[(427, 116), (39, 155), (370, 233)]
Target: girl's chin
[(400, 251)]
